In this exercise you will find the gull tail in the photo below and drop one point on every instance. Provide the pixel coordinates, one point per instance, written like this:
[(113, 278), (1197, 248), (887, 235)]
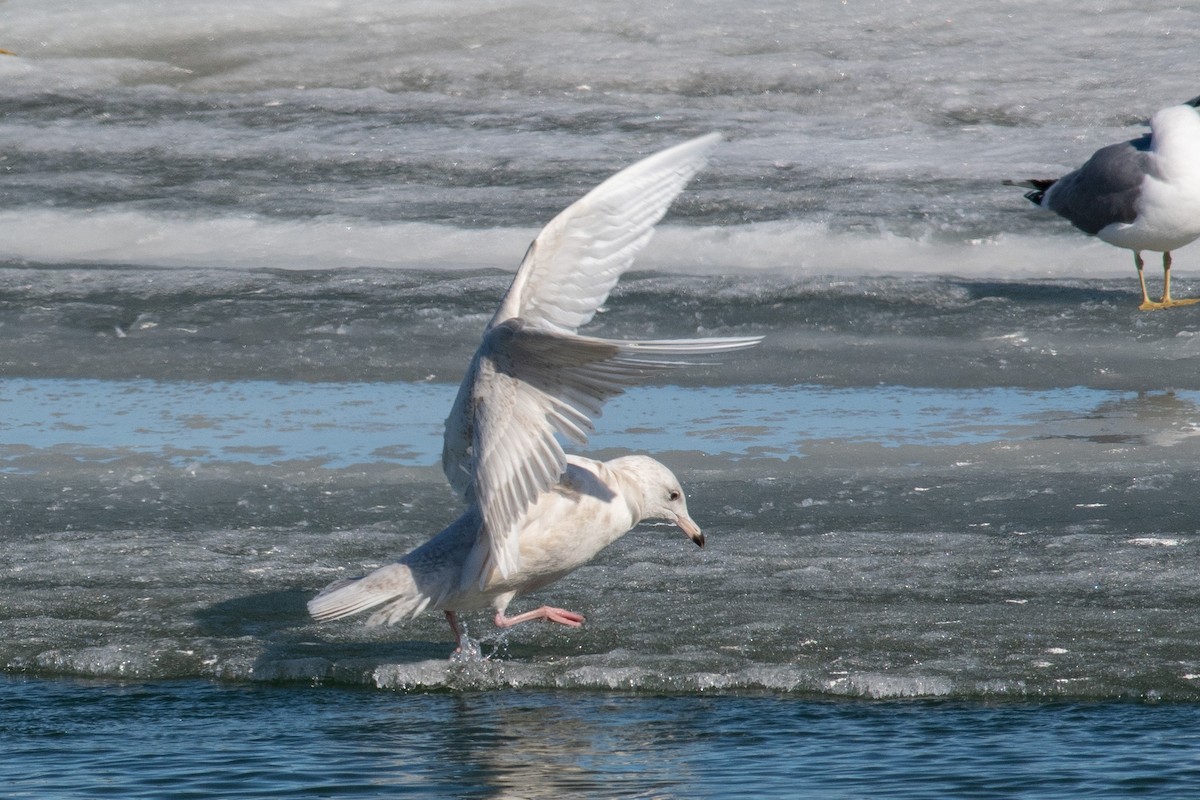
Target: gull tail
[(392, 587), (1038, 185)]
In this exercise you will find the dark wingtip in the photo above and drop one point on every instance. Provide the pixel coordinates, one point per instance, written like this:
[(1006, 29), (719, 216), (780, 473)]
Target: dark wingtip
[(1038, 185), (1032, 183), (1194, 102)]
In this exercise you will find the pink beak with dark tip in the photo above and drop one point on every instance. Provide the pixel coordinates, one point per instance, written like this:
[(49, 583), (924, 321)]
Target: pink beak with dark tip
[(689, 527)]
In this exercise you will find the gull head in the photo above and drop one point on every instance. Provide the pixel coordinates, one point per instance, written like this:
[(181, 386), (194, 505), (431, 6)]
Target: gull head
[(657, 494)]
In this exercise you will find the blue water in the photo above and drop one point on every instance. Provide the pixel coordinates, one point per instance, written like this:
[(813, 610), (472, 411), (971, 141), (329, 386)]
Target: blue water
[(199, 740), (342, 424)]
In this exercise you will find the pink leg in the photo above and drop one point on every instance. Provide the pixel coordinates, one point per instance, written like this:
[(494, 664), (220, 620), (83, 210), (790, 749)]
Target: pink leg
[(548, 613), (453, 620)]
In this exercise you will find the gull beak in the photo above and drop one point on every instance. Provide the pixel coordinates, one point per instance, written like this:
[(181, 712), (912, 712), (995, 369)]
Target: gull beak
[(689, 527)]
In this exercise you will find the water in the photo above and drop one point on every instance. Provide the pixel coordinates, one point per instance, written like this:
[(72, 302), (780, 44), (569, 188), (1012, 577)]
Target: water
[(147, 740), (950, 501)]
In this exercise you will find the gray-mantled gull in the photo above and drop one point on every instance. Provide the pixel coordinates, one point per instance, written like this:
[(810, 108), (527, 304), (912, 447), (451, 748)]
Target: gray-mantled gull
[(533, 513), (1143, 194)]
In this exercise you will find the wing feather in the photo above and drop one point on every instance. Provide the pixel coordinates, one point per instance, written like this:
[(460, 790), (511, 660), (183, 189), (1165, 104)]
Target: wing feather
[(533, 384), (578, 257), (533, 379)]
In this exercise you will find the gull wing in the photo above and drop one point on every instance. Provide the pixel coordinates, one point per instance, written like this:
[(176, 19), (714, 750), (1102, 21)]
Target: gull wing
[(1105, 189), (571, 267), (578, 257), (532, 377), (531, 384)]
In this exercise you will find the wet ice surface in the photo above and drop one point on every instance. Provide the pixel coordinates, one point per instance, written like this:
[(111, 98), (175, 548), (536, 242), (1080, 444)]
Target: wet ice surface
[(247, 252), (882, 541)]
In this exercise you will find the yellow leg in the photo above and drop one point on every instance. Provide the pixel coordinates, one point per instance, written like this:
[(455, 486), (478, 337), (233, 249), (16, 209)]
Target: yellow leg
[(1147, 303), (1167, 302)]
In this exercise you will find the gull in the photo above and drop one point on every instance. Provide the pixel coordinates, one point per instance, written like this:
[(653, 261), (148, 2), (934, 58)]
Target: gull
[(592, 505), (534, 514), (1143, 194)]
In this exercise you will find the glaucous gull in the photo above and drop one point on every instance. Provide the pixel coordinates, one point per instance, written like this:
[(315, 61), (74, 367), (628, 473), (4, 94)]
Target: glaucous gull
[(534, 513)]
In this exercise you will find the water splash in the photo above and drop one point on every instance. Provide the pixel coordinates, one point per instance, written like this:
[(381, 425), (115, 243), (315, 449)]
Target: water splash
[(470, 651)]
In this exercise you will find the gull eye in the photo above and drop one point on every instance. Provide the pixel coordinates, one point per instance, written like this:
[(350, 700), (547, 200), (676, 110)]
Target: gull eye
[(674, 495)]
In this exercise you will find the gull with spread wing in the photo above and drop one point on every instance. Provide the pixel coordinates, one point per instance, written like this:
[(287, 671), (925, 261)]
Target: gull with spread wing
[(534, 513)]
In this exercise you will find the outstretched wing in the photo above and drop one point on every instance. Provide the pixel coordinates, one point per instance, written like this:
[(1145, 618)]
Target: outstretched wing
[(571, 267), (531, 384), (532, 378), (578, 257)]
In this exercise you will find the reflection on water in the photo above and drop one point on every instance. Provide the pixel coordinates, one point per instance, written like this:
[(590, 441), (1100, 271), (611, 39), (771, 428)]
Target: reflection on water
[(1161, 419), (529, 746)]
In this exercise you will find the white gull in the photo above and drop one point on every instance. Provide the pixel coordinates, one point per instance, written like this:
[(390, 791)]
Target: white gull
[(1143, 194), (533, 513)]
